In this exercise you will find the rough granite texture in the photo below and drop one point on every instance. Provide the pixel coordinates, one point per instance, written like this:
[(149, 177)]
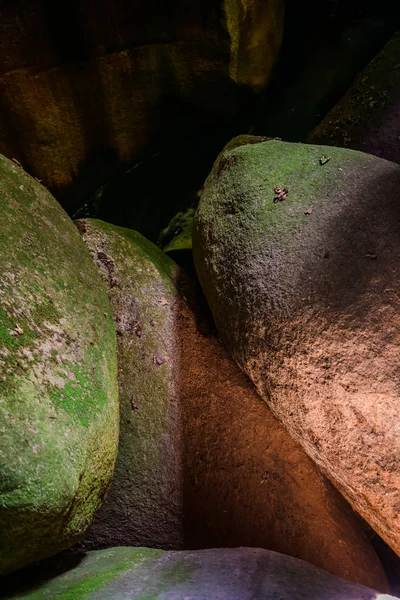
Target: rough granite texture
[(305, 294), (144, 506), (217, 574), (58, 386), (247, 482)]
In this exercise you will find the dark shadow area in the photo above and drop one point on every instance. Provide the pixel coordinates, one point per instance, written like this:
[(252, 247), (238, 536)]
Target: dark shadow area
[(31, 578), (149, 194), (325, 45), (390, 562)]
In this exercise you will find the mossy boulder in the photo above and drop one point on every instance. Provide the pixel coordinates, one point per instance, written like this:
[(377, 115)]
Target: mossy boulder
[(297, 249), (58, 390), (143, 574), (145, 505), (177, 236)]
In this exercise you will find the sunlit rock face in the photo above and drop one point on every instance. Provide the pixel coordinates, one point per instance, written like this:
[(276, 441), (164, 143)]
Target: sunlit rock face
[(297, 250), (86, 87)]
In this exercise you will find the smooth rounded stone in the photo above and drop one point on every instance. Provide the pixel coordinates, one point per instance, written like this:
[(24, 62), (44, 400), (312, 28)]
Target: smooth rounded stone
[(367, 118), (202, 460), (223, 574), (297, 249), (145, 504), (58, 390), (154, 70)]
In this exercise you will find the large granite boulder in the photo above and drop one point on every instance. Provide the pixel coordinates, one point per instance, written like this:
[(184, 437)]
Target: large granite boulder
[(58, 390), (367, 118), (118, 78), (145, 503), (297, 249), (223, 574), (202, 461)]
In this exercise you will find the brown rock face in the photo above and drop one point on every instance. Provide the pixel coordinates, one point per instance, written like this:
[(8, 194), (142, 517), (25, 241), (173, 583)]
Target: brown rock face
[(247, 482), (202, 461), (85, 86), (367, 118)]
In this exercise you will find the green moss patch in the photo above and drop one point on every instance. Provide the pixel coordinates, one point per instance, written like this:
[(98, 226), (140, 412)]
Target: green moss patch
[(58, 386)]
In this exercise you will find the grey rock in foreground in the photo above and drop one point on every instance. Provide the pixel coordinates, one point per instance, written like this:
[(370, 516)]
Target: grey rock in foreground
[(217, 574)]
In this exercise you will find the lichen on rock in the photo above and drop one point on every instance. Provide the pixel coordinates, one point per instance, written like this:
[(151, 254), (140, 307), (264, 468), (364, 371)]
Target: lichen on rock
[(58, 390)]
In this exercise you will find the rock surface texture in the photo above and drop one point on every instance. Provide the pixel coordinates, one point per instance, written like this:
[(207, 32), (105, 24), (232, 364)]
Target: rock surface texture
[(58, 389), (367, 118), (223, 574), (247, 482), (144, 506), (113, 77), (202, 461), (297, 249)]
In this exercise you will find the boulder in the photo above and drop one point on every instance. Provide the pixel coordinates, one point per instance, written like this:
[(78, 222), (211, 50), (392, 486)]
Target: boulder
[(118, 79), (247, 482), (226, 574), (145, 505), (367, 118), (202, 461), (297, 249), (58, 390)]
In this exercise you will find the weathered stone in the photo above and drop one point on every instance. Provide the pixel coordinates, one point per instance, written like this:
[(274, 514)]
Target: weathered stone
[(304, 292), (145, 504), (367, 118), (202, 461), (113, 77), (247, 482), (58, 390), (226, 574)]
